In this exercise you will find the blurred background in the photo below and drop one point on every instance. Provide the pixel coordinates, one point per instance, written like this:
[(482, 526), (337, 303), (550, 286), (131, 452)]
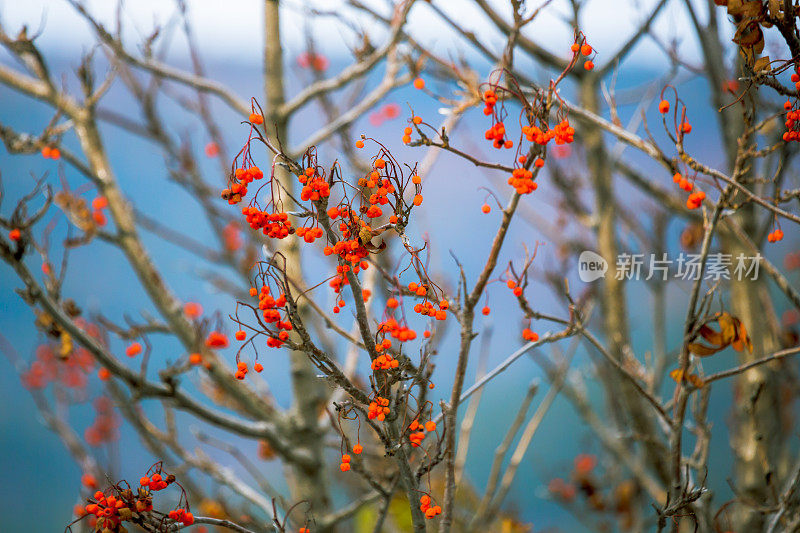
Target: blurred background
[(41, 481)]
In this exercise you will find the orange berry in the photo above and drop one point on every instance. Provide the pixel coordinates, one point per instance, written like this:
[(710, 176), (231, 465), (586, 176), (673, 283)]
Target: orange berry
[(486, 208), (486, 310), (99, 218), (344, 467), (357, 449), (663, 106), (258, 367), (216, 339), (99, 202), (359, 144), (575, 47), (586, 49), (240, 335), (133, 350), (104, 374), (589, 65), (255, 118), (14, 234), (419, 83), (193, 309), (418, 199), (195, 359), (417, 120)]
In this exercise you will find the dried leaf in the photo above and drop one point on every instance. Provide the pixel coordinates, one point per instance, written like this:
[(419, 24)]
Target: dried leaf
[(693, 379), (702, 350), (762, 64), (734, 6), (775, 8), (749, 34), (741, 341), (727, 325), (731, 333), (714, 337)]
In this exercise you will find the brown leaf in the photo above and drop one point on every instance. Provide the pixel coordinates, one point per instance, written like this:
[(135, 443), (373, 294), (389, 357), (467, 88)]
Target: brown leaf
[(745, 9), (749, 34), (702, 350), (734, 6), (762, 64), (714, 337)]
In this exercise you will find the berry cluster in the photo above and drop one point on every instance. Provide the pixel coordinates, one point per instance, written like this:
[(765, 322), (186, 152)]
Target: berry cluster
[(315, 187), (489, 100), (98, 204), (105, 427), (530, 335), (696, 198), (378, 408), (70, 370), (381, 187), (416, 120), (182, 515), (110, 508), (274, 225), (345, 465), (427, 308), (562, 133), (397, 331), (418, 430), (585, 50), (51, 153), (384, 361), (792, 123), (522, 181), (216, 340), (309, 235), (497, 134), (238, 189), (775, 235), (431, 511), (271, 312)]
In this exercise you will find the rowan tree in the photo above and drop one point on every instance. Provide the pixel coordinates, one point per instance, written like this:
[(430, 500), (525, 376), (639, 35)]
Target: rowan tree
[(340, 288)]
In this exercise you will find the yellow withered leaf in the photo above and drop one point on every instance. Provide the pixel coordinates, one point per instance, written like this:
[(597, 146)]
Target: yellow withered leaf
[(731, 333), (693, 379)]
